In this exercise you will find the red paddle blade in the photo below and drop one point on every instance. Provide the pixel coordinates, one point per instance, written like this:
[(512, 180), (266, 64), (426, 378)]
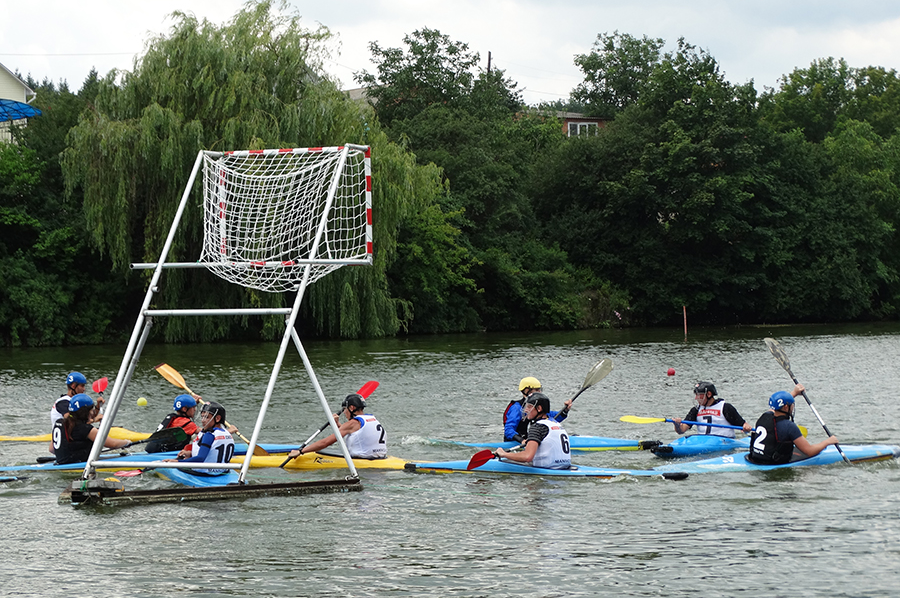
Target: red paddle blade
[(480, 458), (130, 473), (100, 385), (367, 389)]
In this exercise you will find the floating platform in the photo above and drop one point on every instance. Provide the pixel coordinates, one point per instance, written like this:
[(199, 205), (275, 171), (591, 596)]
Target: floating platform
[(112, 492)]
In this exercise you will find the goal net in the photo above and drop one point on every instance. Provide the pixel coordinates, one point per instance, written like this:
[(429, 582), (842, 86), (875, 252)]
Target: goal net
[(271, 214)]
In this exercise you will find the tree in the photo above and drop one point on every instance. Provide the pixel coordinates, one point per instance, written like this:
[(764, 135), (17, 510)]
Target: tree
[(254, 82), (615, 72), (432, 70)]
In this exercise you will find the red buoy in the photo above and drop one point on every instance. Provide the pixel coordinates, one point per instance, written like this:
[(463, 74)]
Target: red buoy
[(671, 372)]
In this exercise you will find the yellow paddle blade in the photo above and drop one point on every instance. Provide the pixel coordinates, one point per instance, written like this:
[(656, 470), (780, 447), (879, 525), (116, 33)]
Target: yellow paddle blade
[(803, 431), (172, 375), (634, 419)]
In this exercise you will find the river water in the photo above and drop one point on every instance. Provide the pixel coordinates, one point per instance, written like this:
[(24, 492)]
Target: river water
[(828, 531)]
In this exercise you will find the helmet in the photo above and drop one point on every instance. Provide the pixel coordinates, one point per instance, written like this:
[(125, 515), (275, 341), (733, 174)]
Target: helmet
[(539, 399), (80, 401), (780, 399), (353, 400), (75, 378), (701, 388), (184, 402), (214, 408), (529, 382)]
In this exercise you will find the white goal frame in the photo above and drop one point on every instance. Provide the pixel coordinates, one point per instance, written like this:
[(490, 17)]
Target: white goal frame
[(274, 220)]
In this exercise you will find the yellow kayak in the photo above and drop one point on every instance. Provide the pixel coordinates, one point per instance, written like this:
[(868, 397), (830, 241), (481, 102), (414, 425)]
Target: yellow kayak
[(121, 433), (319, 461)]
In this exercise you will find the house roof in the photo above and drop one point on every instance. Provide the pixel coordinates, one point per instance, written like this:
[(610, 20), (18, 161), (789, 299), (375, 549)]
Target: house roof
[(29, 93)]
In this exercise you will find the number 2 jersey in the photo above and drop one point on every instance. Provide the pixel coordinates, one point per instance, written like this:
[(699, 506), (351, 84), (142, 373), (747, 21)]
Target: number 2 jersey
[(370, 441)]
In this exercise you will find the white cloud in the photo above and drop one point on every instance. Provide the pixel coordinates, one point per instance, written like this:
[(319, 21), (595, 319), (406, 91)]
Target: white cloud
[(534, 41)]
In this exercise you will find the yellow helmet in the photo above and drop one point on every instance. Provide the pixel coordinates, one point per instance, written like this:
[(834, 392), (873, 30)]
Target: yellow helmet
[(529, 382)]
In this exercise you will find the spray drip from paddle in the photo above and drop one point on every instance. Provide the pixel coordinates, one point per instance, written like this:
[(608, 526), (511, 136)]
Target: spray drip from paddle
[(597, 373)]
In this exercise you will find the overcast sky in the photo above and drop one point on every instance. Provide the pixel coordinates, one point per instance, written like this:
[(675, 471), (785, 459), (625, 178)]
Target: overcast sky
[(534, 41)]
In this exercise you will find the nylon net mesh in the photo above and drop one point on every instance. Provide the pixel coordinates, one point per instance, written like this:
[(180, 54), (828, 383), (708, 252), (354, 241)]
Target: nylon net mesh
[(268, 215)]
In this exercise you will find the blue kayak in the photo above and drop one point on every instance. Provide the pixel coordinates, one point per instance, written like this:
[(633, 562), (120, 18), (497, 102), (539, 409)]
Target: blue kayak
[(700, 444), (576, 443), (186, 478), (738, 462), (113, 457), (503, 466)]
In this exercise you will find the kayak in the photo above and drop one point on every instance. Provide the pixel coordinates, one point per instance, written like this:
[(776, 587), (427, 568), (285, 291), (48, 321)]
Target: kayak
[(186, 478), (114, 432), (321, 461), (239, 449), (738, 462), (509, 467), (700, 444), (576, 443), (112, 460)]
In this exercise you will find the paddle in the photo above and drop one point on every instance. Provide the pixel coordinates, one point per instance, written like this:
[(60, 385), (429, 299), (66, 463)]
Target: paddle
[(165, 435), (367, 389), (99, 386), (778, 352), (172, 375), (597, 373), (634, 419)]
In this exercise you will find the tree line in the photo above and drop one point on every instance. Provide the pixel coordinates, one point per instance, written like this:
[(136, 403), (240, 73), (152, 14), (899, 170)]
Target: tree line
[(743, 206)]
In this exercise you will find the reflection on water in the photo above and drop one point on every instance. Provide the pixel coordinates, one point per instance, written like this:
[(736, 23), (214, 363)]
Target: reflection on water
[(820, 531)]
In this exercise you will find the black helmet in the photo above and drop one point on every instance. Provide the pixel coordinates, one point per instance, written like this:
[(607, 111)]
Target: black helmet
[(538, 399), (354, 400), (702, 388), (214, 408)]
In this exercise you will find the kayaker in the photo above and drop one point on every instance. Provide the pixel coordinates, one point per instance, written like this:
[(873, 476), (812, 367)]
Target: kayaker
[(73, 435), (184, 408), (363, 433), (515, 427), (214, 445), (776, 435), (547, 444), (75, 383), (713, 410)]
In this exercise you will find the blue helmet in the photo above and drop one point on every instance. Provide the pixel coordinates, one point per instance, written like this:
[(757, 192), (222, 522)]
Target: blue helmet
[(75, 378), (780, 399), (184, 402), (80, 401)]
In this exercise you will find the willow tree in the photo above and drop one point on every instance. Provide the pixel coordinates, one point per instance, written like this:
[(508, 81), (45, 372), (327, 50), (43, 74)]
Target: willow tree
[(255, 82)]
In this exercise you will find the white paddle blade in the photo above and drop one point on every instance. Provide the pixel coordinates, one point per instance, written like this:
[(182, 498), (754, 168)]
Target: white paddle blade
[(598, 373)]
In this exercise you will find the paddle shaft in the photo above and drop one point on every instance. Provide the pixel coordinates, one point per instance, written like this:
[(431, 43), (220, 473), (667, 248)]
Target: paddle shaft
[(308, 440), (781, 357), (692, 423)]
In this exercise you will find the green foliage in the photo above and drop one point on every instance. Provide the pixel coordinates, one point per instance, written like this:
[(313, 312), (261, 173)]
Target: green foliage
[(432, 70), (44, 261), (255, 82), (615, 72)]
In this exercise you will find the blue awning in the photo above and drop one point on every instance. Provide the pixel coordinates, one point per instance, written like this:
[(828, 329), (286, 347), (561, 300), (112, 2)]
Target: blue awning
[(13, 110)]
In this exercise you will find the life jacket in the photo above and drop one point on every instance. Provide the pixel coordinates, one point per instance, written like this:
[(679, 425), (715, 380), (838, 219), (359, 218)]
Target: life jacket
[(765, 446), (173, 420)]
